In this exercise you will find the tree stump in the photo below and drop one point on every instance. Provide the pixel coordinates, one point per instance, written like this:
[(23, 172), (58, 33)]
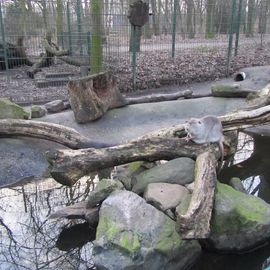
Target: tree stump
[(92, 96)]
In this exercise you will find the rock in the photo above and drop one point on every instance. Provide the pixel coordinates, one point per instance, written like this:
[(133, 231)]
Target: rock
[(165, 196), (10, 109), (102, 190), (237, 184), (178, 171), (55, 106), (239, 223), (126, 173), (227, 90), (38, 111), (78, 211), (132, 234)]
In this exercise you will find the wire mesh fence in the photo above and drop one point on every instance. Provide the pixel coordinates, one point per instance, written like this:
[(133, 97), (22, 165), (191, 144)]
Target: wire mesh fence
[(183, 41)]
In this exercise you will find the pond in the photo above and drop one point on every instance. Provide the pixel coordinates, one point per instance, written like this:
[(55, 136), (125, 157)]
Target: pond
[(30, 240)]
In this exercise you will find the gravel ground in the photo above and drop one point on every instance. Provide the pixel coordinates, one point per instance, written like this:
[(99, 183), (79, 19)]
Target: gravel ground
[(154, 70)]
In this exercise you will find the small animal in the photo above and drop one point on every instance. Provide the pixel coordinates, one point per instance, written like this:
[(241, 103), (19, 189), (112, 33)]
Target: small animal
[(205, 130)]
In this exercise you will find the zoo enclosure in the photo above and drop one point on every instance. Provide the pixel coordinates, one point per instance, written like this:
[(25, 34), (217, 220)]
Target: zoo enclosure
[(99, 30)]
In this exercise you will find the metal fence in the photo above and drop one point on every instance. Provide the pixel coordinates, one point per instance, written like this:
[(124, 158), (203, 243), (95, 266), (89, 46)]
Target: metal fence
[(183, 41)]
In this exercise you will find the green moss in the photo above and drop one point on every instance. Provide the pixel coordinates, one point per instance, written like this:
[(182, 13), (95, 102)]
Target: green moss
[(9, 109), (234, 210), (169, 240), (108, 228), (130, 242), (134, 166)]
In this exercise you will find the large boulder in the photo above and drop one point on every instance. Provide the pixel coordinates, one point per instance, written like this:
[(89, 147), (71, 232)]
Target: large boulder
[(240, 222), (12, 110), (177, 171), (132, 234)]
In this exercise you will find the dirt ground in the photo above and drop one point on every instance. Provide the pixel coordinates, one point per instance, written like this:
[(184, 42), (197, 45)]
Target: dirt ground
[(155, 73)]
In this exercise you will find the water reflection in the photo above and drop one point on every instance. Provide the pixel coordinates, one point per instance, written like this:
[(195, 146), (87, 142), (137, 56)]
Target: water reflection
[(28, 238), (252, 165)]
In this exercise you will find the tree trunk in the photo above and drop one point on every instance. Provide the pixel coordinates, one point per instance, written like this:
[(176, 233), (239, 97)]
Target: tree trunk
[(250, 18), (190, 19), (96, 54), (59, 22), (210, 19)]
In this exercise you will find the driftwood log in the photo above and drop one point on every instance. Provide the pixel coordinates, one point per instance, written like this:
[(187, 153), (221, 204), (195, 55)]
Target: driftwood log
[(195, 223), (69, 165)]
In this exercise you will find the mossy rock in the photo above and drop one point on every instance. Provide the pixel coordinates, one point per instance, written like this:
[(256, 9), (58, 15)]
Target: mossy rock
[(11, 110), (240, 222), (132, 234)]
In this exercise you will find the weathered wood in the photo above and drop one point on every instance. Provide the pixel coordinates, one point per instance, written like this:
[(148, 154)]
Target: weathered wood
[(69, 165), (260, 98), (158, 97), (90, 97), (47, 131), (195, 223), (51, 49), (74, 62)]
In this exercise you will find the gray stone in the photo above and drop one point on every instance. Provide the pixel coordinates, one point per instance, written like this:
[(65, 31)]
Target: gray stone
[(102, 190), (178, 171), (132, 234), (240, 222), (38, 111), (55, 106), (165, 196), (126, 173), (11, 110)]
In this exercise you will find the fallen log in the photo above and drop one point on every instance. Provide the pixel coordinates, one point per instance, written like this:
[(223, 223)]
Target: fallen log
[(235, 90), (157, 97), (70, 165), (47, 131), (195, 223)]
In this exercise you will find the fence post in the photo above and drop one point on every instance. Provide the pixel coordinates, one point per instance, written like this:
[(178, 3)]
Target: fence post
[(238, 27), (79, 22), (4, 42), (174, 27), (229, 56), (69, 28)]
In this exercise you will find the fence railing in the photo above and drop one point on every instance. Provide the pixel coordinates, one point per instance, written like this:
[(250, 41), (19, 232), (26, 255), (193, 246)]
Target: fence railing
[(179, 33)]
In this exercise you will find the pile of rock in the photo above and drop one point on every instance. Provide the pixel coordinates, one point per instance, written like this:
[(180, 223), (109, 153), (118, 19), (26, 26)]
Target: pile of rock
[(136, 210)]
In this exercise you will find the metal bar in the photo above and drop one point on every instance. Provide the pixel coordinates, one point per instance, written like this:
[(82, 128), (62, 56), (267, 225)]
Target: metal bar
[(4, 43), (69, 28), (174, 27)]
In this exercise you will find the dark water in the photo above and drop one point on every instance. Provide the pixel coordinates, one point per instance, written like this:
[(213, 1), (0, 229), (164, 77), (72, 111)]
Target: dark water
[(29, 240)]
